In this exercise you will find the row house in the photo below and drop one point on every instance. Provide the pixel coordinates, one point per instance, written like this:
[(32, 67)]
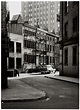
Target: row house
[(29, 46), (28, 33), (15, 59), (38, 46)]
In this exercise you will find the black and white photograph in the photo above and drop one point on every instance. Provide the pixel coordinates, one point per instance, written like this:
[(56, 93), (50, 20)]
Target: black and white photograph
[(39, 54)]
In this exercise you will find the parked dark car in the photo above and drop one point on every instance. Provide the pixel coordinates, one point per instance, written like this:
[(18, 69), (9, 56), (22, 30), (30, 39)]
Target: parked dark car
[(41, 68)]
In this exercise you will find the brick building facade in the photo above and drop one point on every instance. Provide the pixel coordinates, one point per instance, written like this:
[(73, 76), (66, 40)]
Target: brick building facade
[(69, 25), (38, 46)]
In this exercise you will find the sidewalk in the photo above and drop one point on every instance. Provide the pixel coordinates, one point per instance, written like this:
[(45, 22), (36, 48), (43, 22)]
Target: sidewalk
[(63, 78), (19, 91)]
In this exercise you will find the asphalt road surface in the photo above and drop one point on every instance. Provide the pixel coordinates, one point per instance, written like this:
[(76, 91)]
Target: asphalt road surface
[(60, 95)]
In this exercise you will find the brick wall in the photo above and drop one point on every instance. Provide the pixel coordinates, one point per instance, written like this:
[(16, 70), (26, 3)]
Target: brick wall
[(73, 11)]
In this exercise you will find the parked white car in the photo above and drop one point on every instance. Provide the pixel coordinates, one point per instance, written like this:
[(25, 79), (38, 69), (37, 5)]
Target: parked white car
[(50, 68)]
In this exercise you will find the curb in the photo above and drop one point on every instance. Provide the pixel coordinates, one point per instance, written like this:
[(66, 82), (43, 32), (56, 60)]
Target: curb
[(25, 100), (62, 80)]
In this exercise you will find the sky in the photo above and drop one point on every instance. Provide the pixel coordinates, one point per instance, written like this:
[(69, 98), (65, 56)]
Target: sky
[(14, 7)]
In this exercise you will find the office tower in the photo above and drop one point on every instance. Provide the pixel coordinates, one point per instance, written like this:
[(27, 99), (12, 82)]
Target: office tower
[(43, 12)]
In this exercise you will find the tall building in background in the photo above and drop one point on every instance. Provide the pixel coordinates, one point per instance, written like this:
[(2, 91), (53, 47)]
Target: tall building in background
[(43, 12)]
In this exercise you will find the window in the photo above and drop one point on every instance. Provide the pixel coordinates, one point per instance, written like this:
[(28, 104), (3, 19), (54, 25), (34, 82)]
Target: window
[(18, 62), (58, 25), (41, 22), (44, 22), (66, 29), (66, 57), (66, 7), (11, 63), (51, 11), (25, 57), (53, 60), (75, 24), (74, 56), (58, 4), (37, 46), (50, 38), (47, 60), (18, 47), (11, 46), (29, 5), (47, 22), (33, 58), (50, 59), (58, 10), (30, 44), (53, 48), (45, 46), (25, 43), (29, 58), (50, 47)]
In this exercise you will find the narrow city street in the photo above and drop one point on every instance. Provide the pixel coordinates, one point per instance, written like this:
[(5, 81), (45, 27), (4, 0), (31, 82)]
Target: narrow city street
[(60, 94), (40, 55)]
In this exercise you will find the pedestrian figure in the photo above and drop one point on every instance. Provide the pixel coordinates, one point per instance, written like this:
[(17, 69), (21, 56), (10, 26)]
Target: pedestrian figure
[(16, 72)]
